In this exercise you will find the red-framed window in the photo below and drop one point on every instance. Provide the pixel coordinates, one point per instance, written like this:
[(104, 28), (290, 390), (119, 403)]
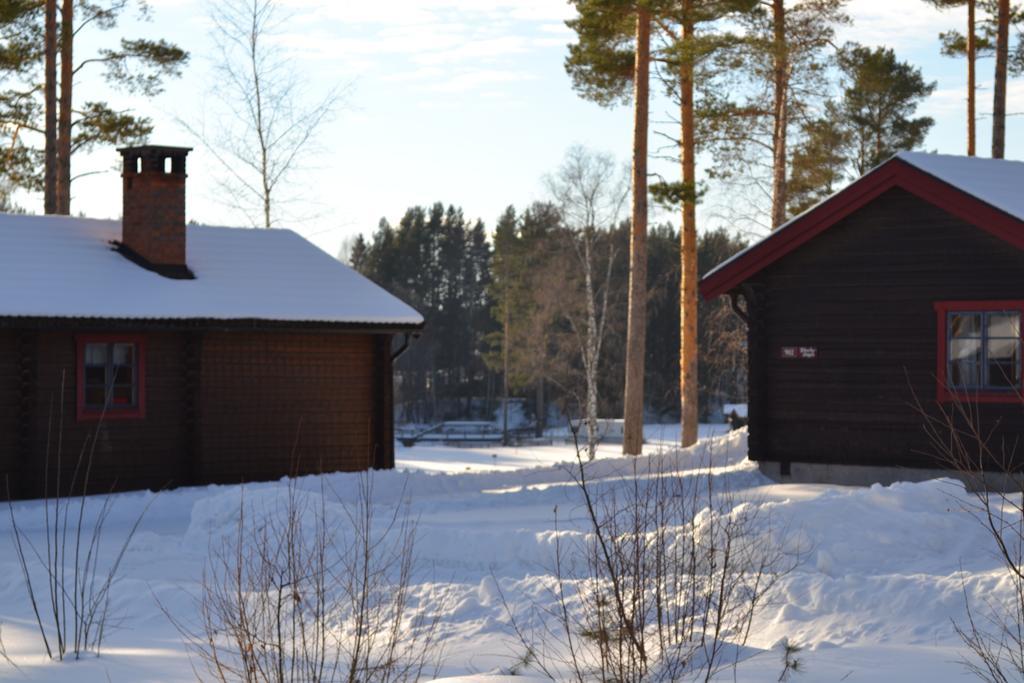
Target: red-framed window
[(111, 376), (979, 351)]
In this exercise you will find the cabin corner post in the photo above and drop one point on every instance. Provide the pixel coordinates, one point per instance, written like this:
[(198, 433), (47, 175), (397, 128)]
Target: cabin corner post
[(382, 456), (22, 484), (758, 356)]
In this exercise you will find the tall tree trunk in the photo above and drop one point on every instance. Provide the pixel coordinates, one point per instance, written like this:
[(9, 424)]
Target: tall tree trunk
[(999, 90), (971, 87), (505, 327), (434, 412), (590, 353), (636, 330), (780, 112), (541, 410), (688, 249), (50, 123), (63, 186)]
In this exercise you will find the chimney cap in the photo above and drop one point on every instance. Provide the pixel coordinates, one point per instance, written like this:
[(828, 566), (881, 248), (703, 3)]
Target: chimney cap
[(159, 149)]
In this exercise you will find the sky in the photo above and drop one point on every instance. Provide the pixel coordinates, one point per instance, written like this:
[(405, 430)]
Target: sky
[(465, 102)]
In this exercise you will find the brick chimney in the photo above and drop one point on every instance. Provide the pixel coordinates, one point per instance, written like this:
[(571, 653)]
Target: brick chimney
[(153, 219)]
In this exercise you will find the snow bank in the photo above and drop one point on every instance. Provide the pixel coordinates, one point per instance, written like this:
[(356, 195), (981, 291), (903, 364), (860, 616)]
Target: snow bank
[(874, 593)]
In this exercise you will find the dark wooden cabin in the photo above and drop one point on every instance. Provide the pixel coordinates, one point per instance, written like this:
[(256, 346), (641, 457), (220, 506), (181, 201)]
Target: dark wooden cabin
[(902, 292), (172, 355)]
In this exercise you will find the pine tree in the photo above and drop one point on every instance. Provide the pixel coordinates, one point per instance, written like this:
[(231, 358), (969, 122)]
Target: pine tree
[(819, 163), (636, 342), (880, 97), (138, 66), (506, 252), (782, 66), (956, 44), (610, 60), (986, 19), (50, 108), (873, 118), (359, 253), (439, 262), (692, 35), (20, 41), (999, 88), (68, 126)]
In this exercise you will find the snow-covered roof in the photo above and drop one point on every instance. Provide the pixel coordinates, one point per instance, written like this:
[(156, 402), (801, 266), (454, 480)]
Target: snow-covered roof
[(996, 182), (63, 267)]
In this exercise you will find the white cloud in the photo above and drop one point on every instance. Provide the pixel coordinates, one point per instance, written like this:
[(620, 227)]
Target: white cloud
[(422, 11), (559, 28), (439, 46), (476, 50), (475, 79), (899, 24)]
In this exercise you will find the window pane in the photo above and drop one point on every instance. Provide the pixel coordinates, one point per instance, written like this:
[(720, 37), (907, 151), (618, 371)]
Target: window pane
[(124, 364), (124, 354), (964, 374), (1003, 375), (95, 354), (965, 350), (95, 375), (1004, 325), (965, 362), (95, 396), (1003, 362), (964, 325), (123, 374), (123, 396)]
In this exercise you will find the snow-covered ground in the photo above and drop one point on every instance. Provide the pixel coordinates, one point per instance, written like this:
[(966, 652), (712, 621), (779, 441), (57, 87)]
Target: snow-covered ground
[(873, 601)]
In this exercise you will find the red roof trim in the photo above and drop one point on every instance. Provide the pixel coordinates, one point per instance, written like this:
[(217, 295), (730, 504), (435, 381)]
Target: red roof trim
[(893, 173)]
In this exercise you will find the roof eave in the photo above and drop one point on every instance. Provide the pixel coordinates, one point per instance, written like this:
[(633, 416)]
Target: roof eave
[(86, 323)]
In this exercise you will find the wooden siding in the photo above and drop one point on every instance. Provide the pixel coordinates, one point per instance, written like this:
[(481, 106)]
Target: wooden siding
[(10, 406), (125, 453), (276, 403), (862, 293), (220, 407), (383, 404)]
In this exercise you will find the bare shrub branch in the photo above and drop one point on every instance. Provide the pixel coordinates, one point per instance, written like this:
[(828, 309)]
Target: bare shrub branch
[(79, 568), (302, 592), (994, 631), (665, 582)]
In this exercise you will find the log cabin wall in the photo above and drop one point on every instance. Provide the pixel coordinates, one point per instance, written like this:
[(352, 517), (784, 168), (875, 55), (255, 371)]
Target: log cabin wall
[(862, 294), (11, 409), (125, 453), (383, 403), (273, 403), (219, 407)]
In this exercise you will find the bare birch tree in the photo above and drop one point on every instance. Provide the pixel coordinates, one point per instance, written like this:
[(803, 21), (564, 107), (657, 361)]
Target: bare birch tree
[(266, 124), (590, 191)]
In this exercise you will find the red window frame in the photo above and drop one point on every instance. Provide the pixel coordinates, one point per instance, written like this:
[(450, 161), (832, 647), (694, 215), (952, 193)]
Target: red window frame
[(136, 412), (943, 392)]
